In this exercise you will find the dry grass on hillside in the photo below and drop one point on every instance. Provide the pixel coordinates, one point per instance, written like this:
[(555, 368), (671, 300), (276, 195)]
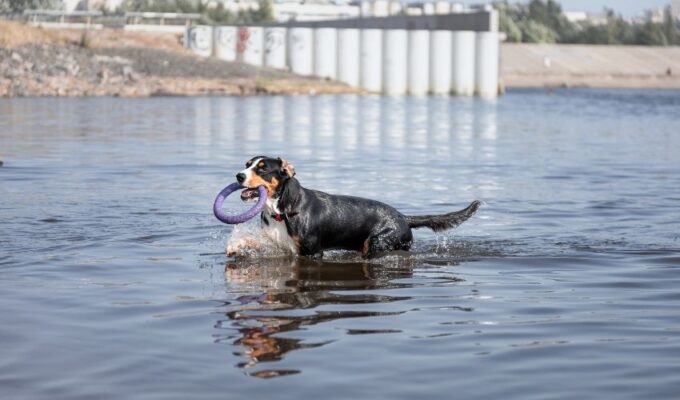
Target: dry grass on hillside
[(15, 34)]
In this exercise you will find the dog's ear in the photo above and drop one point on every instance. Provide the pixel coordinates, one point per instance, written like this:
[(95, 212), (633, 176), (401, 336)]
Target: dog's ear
[(289, 202), (287, 168)]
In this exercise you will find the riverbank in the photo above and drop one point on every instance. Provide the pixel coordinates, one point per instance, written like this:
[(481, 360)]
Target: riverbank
[(107, 62), (39, 62), (525, 65)]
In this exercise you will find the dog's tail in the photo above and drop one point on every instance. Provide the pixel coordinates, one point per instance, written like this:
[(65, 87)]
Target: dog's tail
[(445, 221)]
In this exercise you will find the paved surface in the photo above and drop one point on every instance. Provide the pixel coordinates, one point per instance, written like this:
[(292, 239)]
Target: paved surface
[(537, 65)]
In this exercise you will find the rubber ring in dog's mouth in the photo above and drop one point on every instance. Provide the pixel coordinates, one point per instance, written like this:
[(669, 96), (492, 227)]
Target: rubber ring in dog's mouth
[(250, 194), (243, 217)]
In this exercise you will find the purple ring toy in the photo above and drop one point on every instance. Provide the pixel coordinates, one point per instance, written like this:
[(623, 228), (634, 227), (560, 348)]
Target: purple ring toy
[(239, 218)]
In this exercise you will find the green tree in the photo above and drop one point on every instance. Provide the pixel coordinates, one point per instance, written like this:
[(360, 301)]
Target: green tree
[(507, 23), (669, 28), (21, 5), (210, 14), (535, 32), (265, 11), (538, 12), (542, 21), (651, 35)]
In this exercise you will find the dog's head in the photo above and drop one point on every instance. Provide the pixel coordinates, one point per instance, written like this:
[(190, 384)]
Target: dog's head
[(265, 171)]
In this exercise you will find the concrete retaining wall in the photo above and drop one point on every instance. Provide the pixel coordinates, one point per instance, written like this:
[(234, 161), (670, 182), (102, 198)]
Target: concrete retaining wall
[(393, 55)]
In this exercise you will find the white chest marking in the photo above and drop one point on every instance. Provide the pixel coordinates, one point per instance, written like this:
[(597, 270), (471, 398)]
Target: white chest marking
[(276, 230)]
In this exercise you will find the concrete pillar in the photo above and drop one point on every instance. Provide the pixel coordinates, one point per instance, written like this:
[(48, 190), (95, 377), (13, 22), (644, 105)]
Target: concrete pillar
[(275, 47), (252, 42), (418, 62), (371, 59), (440, 62), (199, 40), (486, 65), (300, 43), (348, 56), (395, 61), (463, 63), (225, 42), (325, 52)]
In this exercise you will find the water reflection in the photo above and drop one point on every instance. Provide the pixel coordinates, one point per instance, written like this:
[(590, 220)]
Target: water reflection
[(361, 131), (275, 290)]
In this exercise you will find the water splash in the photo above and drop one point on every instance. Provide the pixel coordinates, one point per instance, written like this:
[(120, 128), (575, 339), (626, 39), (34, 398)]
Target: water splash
[(250, 240)]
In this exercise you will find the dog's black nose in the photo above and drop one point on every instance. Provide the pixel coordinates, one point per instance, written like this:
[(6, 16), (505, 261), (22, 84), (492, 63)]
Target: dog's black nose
[(240, 177)]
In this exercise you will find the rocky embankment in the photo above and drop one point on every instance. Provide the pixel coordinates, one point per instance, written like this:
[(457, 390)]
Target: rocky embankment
[(132, 65)]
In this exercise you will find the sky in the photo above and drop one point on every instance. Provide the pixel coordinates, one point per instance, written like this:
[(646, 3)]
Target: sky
[(628, 8)]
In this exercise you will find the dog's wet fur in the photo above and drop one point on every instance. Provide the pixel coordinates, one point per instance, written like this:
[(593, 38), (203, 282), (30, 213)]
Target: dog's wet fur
[(306, 222)]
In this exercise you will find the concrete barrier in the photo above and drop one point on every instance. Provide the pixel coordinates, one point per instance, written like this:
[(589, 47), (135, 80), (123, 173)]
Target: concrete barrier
[(300, 43), (456, 53), (199, 40), (463, 63), (275, 47), (440, 62), (395, 61), (325, 52), (225, 42), (371, 59), (348, 56), (251, 42), (418, 62), (486, 64)]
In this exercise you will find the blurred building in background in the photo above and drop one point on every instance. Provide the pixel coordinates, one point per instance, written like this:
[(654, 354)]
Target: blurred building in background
[(675, 9), (585, 17), (654, 15)]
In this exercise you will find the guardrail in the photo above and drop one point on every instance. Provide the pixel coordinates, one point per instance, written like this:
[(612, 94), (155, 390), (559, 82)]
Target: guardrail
[(159, 22), (135, 21), (135, 18), (62, 19)]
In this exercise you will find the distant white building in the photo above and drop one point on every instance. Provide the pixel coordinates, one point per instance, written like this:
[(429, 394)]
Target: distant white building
[(308, 11), (584, 17), (655, 15), (675, 9), (576, 16), (78, 5)]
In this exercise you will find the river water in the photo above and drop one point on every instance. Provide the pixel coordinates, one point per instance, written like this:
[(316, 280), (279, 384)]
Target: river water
[(566, 284)]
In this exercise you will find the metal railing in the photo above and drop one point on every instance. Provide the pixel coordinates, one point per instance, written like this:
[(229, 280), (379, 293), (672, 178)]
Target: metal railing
[(38, 17), (160, 18)]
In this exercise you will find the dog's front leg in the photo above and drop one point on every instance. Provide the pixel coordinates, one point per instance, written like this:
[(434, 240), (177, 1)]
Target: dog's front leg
[(242, 245)]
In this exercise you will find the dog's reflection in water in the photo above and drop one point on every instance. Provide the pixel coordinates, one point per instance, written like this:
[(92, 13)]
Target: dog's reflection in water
[(277, 289)]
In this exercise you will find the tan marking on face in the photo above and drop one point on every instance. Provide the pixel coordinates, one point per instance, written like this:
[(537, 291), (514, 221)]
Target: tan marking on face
[(296, 242), (256, 180)]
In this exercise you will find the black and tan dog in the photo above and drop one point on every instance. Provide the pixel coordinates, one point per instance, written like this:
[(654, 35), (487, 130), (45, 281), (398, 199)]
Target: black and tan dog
[(306, 222)]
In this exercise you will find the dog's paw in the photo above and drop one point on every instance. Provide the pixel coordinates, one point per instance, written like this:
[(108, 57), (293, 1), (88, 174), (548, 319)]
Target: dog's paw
[(231, 251)]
